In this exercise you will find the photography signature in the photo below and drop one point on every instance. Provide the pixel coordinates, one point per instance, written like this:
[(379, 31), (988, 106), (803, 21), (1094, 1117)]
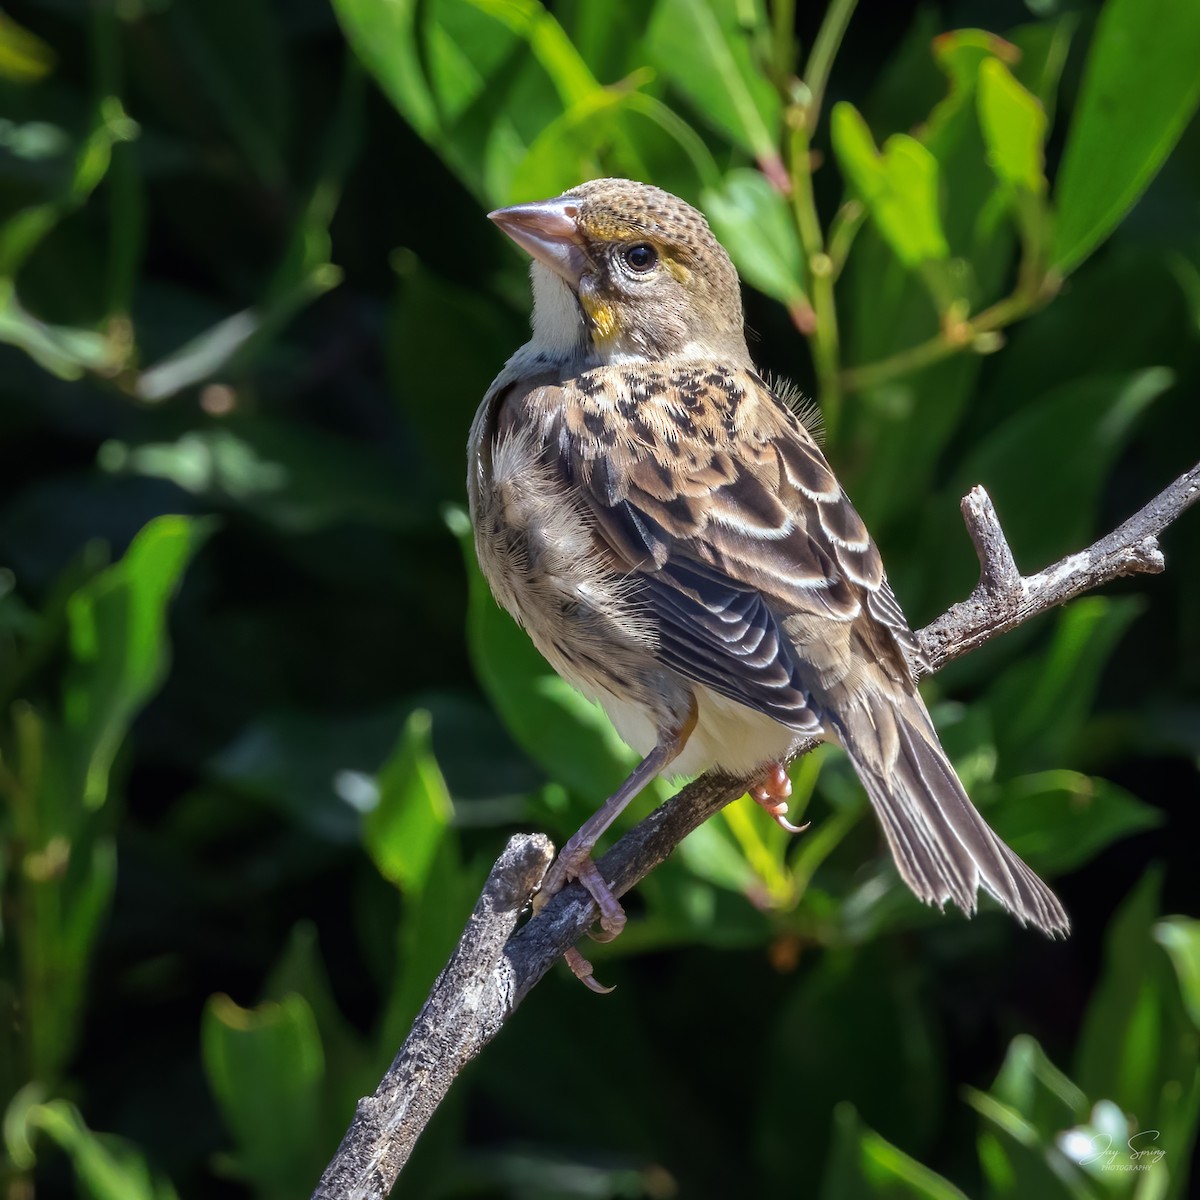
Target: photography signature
[(1138, 1154)]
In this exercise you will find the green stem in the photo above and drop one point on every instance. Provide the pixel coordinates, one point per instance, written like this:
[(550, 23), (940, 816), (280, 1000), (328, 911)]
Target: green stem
[(802, 118), (843, 229), (952, 340), (824, 51), (126, 207), (824, 338), (783, 20)]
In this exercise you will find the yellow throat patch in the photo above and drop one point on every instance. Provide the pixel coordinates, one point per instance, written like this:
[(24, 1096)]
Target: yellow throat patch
[(602, 316)]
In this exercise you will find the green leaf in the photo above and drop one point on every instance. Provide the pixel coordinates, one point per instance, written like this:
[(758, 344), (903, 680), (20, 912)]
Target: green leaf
[(425, 359), (752, 221), (878, 1044), (385, 36), (899, 186), (1058, 820), (265, 1066), (107, 1168), (702, 47), (119, 647), (424, 940), (1104, 1052), (294, 477), (65, 352), (402, 832), (478, 79), (1025, 467), (117, 629), (1180, 937), (1140, 88), (864, 1165), (1014, 128), (1139, 1046), (1040, 704), (1034, 1087), (351, 1068), (1025, 1111), (24, 57), (571, 147), (1016, 1161), (21, 233)]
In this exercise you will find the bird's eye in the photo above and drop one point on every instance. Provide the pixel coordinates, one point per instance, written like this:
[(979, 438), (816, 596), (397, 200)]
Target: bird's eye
[(640, 258)]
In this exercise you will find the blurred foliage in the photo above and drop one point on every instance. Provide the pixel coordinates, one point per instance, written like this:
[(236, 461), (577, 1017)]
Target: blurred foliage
[(262, 729)]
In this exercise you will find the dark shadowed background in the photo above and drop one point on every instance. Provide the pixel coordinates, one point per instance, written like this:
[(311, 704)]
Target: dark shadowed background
[(262, 734)]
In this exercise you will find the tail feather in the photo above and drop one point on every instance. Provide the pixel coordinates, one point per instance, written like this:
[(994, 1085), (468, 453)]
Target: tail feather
[(942, 846)]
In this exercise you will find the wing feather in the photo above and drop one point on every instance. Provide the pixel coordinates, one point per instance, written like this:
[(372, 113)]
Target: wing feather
[(706, 489)]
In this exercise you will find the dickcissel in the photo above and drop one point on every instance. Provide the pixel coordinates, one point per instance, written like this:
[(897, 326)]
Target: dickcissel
[(671, 537)]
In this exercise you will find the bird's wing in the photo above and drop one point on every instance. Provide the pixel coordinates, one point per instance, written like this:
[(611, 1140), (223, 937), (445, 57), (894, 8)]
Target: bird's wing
[(710, 494)]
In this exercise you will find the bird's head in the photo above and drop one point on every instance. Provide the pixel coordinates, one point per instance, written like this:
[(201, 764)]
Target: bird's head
[(623, 271)]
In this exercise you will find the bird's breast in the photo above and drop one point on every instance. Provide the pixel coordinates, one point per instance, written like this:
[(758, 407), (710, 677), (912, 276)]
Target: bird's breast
[(538, 552)]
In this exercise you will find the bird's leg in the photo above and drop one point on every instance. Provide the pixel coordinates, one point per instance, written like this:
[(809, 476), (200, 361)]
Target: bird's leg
[(575, 859), (773, 792)]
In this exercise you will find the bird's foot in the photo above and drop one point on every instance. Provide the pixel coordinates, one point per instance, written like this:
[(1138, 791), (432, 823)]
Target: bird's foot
[(772, 793), (576, 864)]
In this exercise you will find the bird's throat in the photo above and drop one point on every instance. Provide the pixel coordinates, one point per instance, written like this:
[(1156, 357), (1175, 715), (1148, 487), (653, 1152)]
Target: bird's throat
[(560, 331)]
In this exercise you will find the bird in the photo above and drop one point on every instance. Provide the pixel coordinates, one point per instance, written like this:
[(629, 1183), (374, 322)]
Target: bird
[(670, 535)]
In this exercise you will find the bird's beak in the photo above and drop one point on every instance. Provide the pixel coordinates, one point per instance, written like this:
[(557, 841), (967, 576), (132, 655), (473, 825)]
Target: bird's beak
[(549, 231)]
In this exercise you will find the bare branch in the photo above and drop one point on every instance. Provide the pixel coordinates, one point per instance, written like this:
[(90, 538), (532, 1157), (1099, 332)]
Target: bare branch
[(469, 1002), (493, 968), (1004, 599)]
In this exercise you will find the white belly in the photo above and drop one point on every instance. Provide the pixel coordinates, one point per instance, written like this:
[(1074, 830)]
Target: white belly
[(728, 735)]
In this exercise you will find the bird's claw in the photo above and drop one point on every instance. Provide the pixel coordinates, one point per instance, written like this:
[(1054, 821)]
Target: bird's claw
[(569, 866), (772, 795), (582, 970)]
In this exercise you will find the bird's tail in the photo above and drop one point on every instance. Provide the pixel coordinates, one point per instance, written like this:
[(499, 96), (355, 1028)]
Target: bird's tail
[(942, 846)]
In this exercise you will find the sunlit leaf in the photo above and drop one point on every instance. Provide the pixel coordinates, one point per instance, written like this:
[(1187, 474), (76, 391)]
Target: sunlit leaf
[(703, 48), (899, 186), (21, 233), (119, 645), (1032, 1085), (865, 1166), (1014, 128), (221, 347), (478, 79), (265, 1066), (571, 147), (403, 829), (1180, 937), (24, 57), (106, 1167), (1016, 1160), (64, 352)]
